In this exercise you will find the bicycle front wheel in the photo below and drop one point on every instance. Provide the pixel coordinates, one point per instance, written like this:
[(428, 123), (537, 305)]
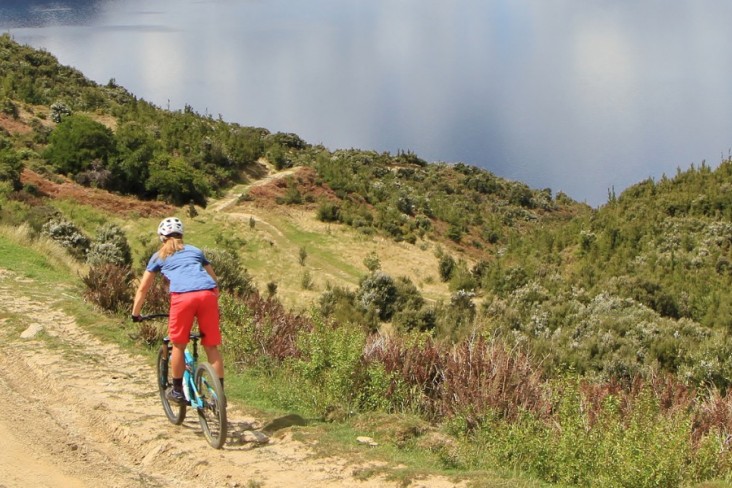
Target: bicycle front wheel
[(175, 413), (212, 415)]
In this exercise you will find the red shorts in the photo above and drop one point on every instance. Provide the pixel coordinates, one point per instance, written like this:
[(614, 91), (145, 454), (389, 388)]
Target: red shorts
[(202, 305)]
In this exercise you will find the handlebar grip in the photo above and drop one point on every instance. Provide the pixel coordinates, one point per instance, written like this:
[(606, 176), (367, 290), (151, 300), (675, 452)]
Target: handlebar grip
[(153, 316)]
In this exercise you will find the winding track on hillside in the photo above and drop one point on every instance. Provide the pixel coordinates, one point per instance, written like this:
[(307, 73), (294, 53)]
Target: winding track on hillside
[(80, 412)]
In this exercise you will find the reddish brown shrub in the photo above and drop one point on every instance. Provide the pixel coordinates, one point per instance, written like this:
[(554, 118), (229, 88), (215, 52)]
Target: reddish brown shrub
[(109, 286), (275, 329), (470, 378)]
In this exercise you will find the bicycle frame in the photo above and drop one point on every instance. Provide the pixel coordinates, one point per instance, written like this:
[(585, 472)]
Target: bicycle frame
[(189, 386), (191, 362)]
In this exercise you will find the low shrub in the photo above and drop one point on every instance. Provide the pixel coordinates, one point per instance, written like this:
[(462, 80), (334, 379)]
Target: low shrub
[(68, 235), (110, 246), (232, 277), (109, 286)]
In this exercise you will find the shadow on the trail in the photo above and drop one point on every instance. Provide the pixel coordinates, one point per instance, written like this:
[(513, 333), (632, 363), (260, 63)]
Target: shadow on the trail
[(283, 423), (246, 435)]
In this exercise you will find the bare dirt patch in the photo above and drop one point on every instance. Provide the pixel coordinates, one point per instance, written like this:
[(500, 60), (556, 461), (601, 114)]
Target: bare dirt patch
[(63, 188), (13, 126)]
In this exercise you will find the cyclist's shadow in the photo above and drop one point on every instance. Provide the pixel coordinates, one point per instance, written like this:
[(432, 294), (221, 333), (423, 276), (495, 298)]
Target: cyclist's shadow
[(250, 434)]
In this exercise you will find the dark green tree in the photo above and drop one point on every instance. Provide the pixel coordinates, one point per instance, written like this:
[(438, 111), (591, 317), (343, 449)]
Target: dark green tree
[(177, 181), (11, 166), (77, 143), (135, 149)]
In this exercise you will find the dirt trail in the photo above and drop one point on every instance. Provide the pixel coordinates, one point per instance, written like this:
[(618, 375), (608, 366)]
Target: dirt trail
[(233, 195), (80, 412)]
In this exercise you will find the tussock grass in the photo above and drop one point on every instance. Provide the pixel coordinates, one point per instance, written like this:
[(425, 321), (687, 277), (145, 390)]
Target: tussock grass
[(55, 264)]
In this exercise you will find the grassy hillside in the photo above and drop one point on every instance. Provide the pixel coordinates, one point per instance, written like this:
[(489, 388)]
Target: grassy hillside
[(529, 330)]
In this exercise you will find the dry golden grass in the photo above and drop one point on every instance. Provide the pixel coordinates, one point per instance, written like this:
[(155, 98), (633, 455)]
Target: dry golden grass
[(335, 252)]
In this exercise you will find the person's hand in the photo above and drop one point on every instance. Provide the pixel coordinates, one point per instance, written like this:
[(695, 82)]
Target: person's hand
[(136, 318)]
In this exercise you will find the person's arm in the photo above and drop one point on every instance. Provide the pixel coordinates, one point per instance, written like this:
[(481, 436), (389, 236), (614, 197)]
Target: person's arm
[(211, 273), (145, 283)]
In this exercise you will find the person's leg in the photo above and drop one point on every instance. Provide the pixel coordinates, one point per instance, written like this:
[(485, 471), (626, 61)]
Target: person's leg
[(208, 324), (214, 358), (177, 360), (180, 321)]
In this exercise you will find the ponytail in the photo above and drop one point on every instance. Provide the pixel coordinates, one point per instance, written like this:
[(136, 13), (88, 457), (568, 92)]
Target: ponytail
[(171, 244)]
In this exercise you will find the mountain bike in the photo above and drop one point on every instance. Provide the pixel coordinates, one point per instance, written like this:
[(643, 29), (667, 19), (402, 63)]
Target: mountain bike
[(201, 386)]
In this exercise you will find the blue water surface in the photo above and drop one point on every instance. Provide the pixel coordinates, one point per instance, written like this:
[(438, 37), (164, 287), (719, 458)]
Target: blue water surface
[(580, 96)]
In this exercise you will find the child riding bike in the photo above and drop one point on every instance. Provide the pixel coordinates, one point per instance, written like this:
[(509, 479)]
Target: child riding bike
[(193, 294)]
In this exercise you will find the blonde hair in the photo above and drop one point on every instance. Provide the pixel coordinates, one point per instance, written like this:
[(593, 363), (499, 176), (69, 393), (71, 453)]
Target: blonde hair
[(171, 245)]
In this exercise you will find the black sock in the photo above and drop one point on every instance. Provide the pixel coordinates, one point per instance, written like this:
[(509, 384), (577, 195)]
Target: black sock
[(178, 384), (221, 380)]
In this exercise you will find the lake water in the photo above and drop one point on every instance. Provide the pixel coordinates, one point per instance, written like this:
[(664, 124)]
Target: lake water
[(579, 96)]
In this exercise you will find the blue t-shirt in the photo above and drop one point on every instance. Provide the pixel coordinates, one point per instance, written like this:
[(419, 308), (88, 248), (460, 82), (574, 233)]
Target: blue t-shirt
[(184, 269)]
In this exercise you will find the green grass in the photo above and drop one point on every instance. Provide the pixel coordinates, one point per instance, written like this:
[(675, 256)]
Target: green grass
[(85, 216), (40, 260)]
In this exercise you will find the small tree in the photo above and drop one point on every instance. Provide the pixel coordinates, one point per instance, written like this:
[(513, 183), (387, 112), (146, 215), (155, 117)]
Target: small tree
[(11, 166), (378, 294), (271, 289), (229, 271), (302, 256), (59, 111), (446, 266), (307, 280), (192, 212), (372, 262)]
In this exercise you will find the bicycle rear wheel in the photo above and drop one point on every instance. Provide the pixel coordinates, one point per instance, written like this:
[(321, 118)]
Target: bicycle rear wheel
[(175, 413), (212, 416)]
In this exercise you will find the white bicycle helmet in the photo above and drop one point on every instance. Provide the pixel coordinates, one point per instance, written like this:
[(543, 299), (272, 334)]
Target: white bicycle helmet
[(171, 225)]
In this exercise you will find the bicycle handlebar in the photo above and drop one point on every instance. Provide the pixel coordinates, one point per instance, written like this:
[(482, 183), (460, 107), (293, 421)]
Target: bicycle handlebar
[(153, 316)]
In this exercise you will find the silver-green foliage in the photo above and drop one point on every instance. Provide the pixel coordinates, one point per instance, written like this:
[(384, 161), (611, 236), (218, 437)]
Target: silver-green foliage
[(68, 235), (110, 246)]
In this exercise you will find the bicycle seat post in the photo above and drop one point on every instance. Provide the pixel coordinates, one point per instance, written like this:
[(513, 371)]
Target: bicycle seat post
[(194, 339)]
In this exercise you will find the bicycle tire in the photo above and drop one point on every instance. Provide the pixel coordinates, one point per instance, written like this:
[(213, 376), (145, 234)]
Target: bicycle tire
[(175, 413), (212, 416)]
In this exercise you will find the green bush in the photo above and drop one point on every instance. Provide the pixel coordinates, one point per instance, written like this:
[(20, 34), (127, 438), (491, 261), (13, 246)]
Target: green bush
[(446, 266), (110, 246), (78, 142), (329, 366), (68, 235), (339, 304), (621, 440), (328, 212), (11, 167), (378, 293), (232, 276), (9, 108), (372, 262), (177, 181)]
